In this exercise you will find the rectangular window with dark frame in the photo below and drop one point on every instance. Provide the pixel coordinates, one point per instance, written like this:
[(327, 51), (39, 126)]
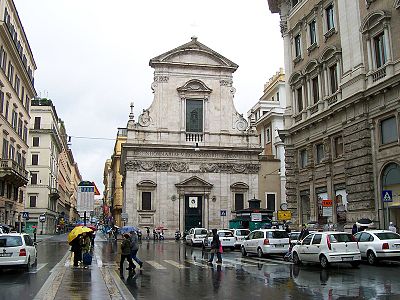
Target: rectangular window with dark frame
[(389, 131), (315, 89), (35, 159), (37, 123), (239, 201), (338, 142), (295, 2), (146, 200), (194, 116), (2, 188), (333, 78), (297, 45), (313, 33), (6, 111), (34, 178), (380, 55), (299, 92), (330, 23), (271, 202), (1, 101), (319, 148), (10, 72), (303, 158), (35, 141), (4, 154), (32, 201)]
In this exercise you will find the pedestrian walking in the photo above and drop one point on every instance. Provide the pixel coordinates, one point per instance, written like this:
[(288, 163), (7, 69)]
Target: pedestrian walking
[(155, 235), (354, 230), (216, 247), (304, 232), (76, 248), (287, 228), (135, 248), (34, 234), (148, 233), (126, 254), (392, 227)]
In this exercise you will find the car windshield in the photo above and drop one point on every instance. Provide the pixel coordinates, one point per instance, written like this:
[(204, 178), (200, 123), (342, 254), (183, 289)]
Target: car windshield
[(10, 241), (225, 234), (280, 235), (340, 238), (242, 232), (388, 236), (200, 231)]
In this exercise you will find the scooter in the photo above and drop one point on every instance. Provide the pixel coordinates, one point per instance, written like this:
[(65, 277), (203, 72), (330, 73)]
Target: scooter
[(177, 235)]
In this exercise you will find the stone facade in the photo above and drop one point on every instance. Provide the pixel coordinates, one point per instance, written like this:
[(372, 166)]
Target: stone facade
[(342, 122), (190, 150), (269, 116)]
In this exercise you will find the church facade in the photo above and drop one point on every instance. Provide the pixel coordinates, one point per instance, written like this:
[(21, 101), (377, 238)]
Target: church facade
[(190, 160)]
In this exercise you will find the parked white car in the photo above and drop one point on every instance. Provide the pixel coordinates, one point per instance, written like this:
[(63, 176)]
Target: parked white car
[(17, 250), (239, 235), (327, 247), (378, 244), (196, 236), (225, 237), (265, 242)]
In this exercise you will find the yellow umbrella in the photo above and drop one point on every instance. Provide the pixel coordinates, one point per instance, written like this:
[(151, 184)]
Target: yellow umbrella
[(77, 231)]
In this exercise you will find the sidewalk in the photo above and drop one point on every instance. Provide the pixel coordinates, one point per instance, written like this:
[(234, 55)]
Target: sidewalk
[(96, 282)]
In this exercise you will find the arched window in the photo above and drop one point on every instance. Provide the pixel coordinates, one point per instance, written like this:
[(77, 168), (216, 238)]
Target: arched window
[(391, 177)]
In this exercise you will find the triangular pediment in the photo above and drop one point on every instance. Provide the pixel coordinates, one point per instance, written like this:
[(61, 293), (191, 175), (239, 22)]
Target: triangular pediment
[(194, 181), (193, 53)]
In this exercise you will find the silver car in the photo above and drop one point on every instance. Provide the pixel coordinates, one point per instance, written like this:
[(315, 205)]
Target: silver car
[(378, 244)]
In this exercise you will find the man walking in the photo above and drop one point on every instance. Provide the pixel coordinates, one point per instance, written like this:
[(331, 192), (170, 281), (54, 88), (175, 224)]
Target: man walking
[(304, 232), (126, 254), (135, 248)]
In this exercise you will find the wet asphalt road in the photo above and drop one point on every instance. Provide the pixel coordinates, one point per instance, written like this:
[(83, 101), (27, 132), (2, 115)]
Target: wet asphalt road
[(173, 270)]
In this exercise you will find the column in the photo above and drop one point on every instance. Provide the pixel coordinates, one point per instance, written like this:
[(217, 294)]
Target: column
[(388, 50), (326, 87), (308, 93), (320, 86), (294, 105), (369, 52)]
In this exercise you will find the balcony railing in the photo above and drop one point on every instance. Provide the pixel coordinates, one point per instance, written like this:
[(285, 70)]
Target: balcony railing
[(332, 99), (10, 168), (194, 137), (298, 118), (379, 74), (314, 109)]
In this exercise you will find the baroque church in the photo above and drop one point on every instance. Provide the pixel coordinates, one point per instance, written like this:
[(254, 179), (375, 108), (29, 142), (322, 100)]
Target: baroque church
[(190, 160)]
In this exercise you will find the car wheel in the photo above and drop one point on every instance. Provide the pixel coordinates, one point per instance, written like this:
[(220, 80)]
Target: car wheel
[(371, 258), (243, 250), (324, 262), (296, 259), (355, 264), (260, 254)]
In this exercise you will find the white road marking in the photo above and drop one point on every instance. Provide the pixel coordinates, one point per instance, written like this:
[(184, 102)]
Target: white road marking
[(156, 265), (198, 264), (175, 264), (238, 263), (38, 268), (272, 260), (256, 262)]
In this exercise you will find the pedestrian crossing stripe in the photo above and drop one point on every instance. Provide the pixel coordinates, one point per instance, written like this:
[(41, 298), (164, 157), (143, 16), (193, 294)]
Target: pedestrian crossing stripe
[(198, 264), (253, 264), (256, 262), (273, 261), (175, 264), (156, 265)]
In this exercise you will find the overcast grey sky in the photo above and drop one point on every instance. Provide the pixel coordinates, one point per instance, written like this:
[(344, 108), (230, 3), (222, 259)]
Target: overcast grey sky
[(93, 58)]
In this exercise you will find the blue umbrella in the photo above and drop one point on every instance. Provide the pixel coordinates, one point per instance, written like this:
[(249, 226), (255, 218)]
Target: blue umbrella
[(127, 229)]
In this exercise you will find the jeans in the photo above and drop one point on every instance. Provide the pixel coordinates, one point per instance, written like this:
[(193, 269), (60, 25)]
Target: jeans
[(129, 259), (219, 258), (135, 258)]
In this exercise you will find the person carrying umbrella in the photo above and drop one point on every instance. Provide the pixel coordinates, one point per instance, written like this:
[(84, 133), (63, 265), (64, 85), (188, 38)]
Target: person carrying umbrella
[(126, 254), (135, 248), (76, 248)]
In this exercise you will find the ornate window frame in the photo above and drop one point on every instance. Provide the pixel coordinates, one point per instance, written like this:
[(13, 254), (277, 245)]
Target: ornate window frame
[(329, 57), (374, 24), (296, 81), (146, 186), (239, 188)]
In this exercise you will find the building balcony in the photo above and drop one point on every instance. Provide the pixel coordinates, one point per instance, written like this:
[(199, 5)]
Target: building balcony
[(194, 137), (13, 172), (54, 194)]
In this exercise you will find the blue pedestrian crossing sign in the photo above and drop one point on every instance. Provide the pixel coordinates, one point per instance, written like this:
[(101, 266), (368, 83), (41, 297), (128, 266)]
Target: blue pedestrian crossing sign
[(387, 196), (25, 215), (223, 213)]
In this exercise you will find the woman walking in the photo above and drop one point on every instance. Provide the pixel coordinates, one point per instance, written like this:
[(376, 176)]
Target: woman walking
[(76, 248), (216, 247), (126, 254)]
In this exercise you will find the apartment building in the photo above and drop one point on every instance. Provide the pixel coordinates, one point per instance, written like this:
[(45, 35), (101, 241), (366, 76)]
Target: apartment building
[(17, 67), (268, 114), (342, 64)]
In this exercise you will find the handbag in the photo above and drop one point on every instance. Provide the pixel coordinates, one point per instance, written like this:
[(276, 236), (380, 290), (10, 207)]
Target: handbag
[(220, 248)]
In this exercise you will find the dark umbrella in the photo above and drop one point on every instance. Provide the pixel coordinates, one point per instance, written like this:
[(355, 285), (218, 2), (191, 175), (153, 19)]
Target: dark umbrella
[(364, 222)]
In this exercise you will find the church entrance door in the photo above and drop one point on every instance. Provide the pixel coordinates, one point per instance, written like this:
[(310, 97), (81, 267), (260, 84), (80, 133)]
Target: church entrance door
[(193, 211)]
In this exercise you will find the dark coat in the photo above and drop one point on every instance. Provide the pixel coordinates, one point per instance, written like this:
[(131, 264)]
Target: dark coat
[(134, 242), (303, 234), (215, 242), (76, 244), (126, 247)]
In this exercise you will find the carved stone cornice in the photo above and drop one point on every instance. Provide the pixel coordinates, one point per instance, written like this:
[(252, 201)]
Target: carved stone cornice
[(183, 167)]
